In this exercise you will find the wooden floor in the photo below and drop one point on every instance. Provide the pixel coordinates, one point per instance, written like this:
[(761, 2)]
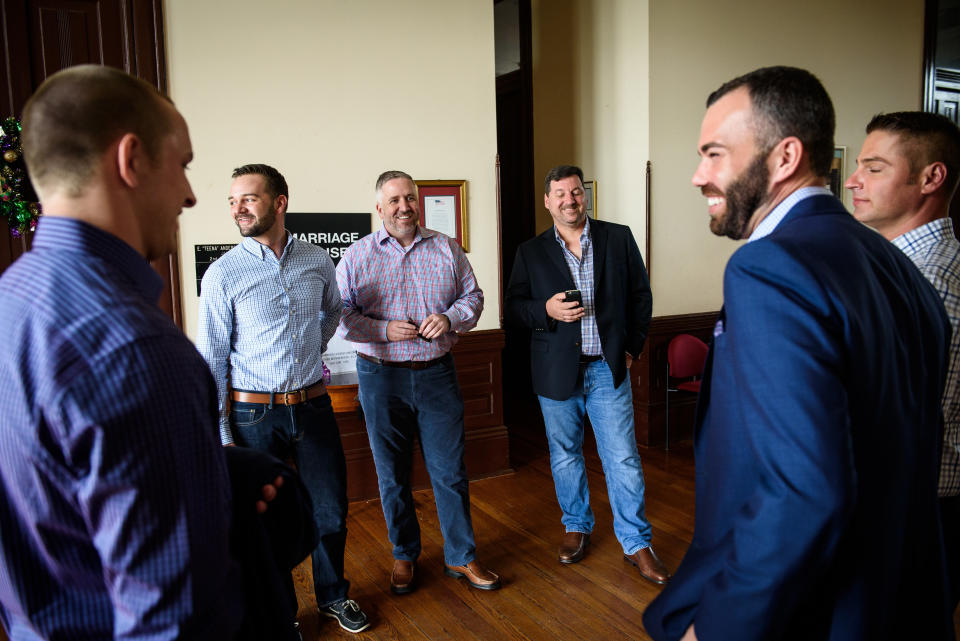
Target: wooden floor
[(517, 526)]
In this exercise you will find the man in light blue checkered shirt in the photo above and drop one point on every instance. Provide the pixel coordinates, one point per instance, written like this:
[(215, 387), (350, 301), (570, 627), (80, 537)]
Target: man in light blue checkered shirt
[(906, 176), (267, 309)]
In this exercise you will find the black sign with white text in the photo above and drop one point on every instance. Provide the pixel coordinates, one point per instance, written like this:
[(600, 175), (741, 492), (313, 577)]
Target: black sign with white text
[(333, 232)]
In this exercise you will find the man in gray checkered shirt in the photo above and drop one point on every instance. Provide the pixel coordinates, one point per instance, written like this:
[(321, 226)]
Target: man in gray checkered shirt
[(907, 172)]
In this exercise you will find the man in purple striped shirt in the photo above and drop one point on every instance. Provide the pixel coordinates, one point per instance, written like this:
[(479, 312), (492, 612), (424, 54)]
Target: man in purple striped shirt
[(116, 502), (406, 293)]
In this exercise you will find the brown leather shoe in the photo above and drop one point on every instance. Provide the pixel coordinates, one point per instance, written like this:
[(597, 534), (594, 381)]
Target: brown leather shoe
[(403, 577), (573, 546), (475, 574), (649, 565)]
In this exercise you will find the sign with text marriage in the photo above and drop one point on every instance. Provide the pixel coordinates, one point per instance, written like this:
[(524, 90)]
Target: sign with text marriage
[(333, 232)]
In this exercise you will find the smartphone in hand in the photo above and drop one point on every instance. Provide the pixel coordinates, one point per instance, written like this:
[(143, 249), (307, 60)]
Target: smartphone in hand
[(573, 295)]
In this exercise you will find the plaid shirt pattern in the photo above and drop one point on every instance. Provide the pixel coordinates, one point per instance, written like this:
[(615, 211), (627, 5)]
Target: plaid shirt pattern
[(934, 249), (581, 269), (380, 280), (265, 321)]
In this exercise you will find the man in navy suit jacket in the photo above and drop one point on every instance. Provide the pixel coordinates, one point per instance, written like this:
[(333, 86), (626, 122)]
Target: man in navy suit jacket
[(580, 354), (818, 424)]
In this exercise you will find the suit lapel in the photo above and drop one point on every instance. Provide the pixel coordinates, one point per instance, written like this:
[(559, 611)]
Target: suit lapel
[(598, 238), (552, 248)]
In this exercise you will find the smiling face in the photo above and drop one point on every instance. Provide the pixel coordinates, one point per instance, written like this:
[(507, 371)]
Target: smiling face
[(399, 209), (733, 172), (565, 202), (252, 207), (885, 187)]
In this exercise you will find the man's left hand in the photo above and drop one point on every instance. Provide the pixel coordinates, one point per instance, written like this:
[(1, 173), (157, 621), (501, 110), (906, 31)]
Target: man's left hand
[(434, 325), (269, 493)]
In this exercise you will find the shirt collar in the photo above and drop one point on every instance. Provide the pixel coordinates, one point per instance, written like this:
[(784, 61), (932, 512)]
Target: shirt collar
[(929, 232), (585, 234), (260, 250), (58, 233), (382, 235), (768, 224)]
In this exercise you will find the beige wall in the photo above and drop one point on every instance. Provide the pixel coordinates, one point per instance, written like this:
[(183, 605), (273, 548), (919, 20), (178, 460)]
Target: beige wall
[(618, 82), (590, 106), (332, 93), (867, 54)]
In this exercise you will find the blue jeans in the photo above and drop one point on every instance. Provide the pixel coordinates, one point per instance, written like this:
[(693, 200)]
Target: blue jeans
[(401, 405), (308, 434), (611, 415)]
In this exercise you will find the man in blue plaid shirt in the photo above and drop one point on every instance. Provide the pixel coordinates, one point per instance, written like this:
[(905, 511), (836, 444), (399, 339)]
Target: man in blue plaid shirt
[(267, 309), (907, 173)]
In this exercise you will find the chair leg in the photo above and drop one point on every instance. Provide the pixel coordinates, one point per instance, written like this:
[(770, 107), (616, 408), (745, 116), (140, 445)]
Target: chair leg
[(666, 444)]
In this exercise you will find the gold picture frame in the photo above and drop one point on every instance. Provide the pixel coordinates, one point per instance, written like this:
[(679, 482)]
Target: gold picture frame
[(443, 208), (590, 198)]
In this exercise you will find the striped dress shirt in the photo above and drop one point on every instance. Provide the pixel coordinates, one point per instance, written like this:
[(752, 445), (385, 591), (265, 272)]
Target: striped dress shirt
[(265, 321), (114, 493), (581, 269), (934, 249), (380, 280)]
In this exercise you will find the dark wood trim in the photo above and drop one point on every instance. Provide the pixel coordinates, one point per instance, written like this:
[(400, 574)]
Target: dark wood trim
[(928, 86), (15, 74), (648, 216), (487, 450), (649, 379)]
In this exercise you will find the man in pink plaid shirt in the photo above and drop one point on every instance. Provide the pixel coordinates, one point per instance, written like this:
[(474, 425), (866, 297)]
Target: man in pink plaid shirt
[(406, 293)]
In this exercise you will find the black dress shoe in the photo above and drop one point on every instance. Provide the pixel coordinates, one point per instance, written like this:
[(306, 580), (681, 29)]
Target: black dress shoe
[(573, 546)]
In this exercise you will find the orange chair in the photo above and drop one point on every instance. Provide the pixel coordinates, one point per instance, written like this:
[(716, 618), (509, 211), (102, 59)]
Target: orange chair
[(686, 355)]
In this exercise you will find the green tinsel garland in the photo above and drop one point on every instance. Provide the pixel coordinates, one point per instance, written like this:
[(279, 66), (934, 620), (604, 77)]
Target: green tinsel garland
[(18, 201)]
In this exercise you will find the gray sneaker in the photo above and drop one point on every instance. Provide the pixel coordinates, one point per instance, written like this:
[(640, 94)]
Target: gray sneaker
[(348, 614)]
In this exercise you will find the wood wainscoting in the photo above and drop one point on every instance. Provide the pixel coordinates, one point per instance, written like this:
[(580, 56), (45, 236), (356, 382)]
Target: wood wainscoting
[(649, 374), (487, 452)]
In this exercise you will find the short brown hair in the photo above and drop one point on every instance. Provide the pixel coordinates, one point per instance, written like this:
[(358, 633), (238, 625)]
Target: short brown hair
[(274, 182), (559, 173), (925, 138), (788, 101), (77, 113)]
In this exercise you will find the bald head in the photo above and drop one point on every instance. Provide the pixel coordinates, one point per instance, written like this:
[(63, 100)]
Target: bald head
[(77, 113)]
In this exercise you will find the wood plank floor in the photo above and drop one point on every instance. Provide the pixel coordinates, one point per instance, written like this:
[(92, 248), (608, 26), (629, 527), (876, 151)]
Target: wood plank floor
[(517, 526)]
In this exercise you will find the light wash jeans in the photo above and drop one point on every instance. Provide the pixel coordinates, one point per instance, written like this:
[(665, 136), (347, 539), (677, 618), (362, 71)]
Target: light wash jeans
[(611, 414)]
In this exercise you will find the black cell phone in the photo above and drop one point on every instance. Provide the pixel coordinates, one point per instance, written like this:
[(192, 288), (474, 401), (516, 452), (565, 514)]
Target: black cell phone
[(572, 295)]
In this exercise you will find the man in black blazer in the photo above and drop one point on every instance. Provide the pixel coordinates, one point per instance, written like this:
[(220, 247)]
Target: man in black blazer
[(582, 288)]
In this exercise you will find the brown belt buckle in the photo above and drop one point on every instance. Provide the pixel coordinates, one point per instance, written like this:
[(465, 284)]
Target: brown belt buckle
[(298, 396)]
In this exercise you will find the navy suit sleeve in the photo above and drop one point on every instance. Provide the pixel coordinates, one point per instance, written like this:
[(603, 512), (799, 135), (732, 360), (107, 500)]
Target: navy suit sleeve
[(784, 346), (522, 309)]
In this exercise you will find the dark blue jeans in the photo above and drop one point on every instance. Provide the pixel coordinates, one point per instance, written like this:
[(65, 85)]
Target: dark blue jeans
[(308, 434), (401, 405)]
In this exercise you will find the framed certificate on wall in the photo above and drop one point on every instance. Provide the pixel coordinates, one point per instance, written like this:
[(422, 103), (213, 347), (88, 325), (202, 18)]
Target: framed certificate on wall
[(443, 208)]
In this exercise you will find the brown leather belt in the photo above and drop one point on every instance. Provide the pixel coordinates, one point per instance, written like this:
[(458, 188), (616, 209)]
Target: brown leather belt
[(281, 398), (586, 359), (404, 364)]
